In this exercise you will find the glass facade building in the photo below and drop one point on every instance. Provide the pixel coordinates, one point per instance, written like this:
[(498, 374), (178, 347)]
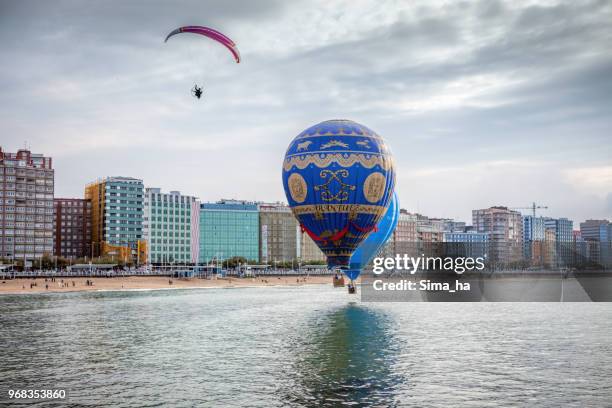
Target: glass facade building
[(562, 227), (117, 208), (171, 227), (596, 230), (229, 228), (533, 237), (472, 244), (533, 228), (597, 235), (563, 231)]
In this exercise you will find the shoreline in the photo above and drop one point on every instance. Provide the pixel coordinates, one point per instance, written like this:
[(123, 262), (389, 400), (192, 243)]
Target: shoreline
[(22, 286)]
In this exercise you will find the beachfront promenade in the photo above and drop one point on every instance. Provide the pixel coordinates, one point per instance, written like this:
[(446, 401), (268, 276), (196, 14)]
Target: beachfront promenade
[(168, 271)]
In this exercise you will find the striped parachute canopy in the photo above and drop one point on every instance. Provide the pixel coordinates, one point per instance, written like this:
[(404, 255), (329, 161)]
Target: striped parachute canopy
[(210, 33)]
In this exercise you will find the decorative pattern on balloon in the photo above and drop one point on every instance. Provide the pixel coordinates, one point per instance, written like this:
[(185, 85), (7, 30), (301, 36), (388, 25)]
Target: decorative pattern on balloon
[(339, 177), (344, 160), (342, 194)]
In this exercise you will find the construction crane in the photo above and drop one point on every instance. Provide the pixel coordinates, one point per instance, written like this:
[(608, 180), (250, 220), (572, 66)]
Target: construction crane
[(533, 208)]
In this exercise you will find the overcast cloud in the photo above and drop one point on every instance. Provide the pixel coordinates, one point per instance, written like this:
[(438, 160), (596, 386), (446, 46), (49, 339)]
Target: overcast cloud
[(483, 103)]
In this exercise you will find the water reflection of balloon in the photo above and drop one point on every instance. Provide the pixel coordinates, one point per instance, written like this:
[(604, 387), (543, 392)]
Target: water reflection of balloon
[(348, 360), (339, 177), (375, 241)]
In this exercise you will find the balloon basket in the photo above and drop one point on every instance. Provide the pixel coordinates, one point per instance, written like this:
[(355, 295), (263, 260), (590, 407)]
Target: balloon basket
[(352, 288), (338, 280)]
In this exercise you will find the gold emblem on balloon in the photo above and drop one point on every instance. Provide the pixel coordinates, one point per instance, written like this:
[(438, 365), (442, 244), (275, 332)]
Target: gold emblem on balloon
[(297, 187), (374, 187)]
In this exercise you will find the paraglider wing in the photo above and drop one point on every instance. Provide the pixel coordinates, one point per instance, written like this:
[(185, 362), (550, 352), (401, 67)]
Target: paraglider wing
[(374, 242), (173, 32), (210, 33)]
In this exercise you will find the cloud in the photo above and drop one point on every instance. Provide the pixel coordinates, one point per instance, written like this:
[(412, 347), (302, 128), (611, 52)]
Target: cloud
[(455, 191), (595, 180)]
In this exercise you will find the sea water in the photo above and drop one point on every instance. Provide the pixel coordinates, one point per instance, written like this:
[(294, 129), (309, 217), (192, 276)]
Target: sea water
[(302, 346)]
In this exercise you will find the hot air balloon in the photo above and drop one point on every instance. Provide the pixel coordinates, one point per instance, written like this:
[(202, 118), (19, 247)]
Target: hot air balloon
[(375, 241), (339, 178)]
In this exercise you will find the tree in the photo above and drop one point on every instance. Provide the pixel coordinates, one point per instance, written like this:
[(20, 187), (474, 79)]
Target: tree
[(62, 262), (314, 263), (46, 262), (234, 261)]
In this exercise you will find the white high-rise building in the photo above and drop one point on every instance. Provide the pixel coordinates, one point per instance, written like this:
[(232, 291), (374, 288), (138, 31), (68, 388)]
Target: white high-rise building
[(171, 227), (26, 206)]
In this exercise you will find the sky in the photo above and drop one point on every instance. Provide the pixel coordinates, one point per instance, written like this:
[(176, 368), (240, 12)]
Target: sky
[(482, 103)]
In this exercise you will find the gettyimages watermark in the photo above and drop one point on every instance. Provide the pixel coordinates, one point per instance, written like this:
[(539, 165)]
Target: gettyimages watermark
[(475, 272)]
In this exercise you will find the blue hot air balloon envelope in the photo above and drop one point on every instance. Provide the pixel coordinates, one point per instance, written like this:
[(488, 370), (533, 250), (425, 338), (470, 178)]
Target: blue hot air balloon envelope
[(339, 177), (375, 241)]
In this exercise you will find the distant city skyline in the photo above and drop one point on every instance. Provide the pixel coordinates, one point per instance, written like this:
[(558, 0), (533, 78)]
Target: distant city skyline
[(483, 104), (121, 217), (525, 211)]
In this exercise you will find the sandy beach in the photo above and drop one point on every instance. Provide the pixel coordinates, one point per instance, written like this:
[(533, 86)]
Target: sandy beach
[(18, 286)]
